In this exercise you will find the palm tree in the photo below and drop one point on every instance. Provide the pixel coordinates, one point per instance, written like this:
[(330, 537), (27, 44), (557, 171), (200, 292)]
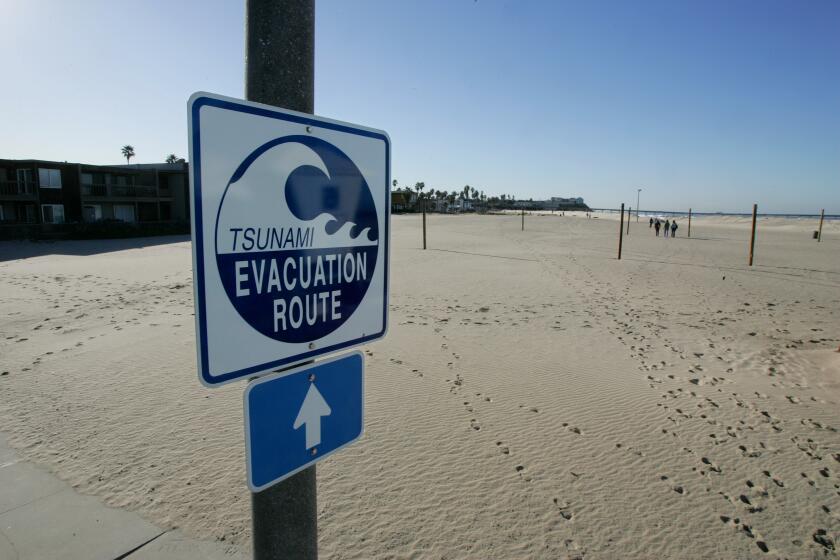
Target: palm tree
[(128, 152), (419, 186), (171, 158)]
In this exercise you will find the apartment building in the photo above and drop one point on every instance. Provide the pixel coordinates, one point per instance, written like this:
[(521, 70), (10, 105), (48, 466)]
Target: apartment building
[(38, 196)]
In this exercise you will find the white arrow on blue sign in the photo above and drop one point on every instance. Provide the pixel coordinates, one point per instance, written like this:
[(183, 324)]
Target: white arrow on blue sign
[(295, 418)]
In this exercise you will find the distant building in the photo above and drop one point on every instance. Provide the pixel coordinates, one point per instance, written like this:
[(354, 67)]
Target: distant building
[(463, 205), (554, 203), (560, 200), (39, 196), (403, 200)]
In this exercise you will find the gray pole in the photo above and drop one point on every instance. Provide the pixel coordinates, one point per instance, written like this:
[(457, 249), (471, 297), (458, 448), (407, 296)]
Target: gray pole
[(637, 205), (630, 213), (280, 71), (280, 53), (523, 218)]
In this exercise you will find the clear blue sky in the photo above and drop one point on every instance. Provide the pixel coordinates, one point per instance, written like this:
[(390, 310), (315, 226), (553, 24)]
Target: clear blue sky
[(709, 104)]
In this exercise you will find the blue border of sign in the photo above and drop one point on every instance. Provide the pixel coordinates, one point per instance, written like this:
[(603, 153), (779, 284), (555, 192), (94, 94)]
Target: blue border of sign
[(194, 105)]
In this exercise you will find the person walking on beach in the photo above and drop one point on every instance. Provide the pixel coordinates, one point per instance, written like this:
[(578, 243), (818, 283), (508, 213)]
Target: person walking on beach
[(667, 227), (673, 229), (656, 226), (651, 223)]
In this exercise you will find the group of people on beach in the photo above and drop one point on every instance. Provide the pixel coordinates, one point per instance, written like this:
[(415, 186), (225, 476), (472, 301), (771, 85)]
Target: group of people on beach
[(668, 225)]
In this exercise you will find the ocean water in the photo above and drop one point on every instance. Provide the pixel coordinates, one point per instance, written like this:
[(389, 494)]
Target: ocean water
[(683, 214)]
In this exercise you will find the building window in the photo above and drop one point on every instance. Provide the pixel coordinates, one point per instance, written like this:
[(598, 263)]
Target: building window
[(53, 213), (25, 177), (49, 178), (124, 212), (92, 212)]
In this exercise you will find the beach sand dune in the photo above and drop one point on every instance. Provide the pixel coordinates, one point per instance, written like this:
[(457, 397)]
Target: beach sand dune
[(534, 398)]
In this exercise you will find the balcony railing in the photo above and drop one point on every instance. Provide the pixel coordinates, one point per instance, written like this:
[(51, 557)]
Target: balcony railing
[(17, 189), (95, 190), (130, 191)]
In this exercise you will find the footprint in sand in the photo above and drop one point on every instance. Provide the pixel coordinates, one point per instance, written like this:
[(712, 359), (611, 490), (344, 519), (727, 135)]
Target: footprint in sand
[(503, 448), (775, 480), (711, 466), (810, 482), (747, 530), (573, 429), (822, 538), (563, 508)]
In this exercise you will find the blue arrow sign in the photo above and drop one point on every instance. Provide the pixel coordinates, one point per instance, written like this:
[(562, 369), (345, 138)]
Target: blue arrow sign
[(296, 418)]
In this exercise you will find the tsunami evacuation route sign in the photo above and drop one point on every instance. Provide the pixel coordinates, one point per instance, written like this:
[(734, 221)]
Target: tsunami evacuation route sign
[(290, 221)]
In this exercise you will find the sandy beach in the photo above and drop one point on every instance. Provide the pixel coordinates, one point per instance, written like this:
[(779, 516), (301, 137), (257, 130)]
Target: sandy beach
[(534, 398)]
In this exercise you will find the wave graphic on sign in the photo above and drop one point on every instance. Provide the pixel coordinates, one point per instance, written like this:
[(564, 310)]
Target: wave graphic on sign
[(341, 192), (332, 185)]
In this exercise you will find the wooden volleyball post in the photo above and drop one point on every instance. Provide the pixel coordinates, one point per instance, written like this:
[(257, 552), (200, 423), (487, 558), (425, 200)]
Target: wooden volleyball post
[(752, 237), (819, 231), (621, 230)]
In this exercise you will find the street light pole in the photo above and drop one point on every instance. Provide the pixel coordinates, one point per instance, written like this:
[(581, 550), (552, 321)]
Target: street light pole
[(637, 205)]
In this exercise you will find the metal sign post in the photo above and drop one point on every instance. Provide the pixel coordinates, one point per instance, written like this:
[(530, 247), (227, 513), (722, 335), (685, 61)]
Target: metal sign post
[(280, 71), (290, 239)]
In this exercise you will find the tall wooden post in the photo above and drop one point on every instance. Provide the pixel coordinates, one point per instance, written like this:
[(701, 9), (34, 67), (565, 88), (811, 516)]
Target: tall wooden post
[(523, 219), (752, 237), (621, 230), (424, 224), (629, 214), (819, 232), (689, 222)]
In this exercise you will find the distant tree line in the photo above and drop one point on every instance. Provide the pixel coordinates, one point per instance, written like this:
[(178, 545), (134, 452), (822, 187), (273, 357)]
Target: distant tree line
[(455, 198), (128, 153)]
